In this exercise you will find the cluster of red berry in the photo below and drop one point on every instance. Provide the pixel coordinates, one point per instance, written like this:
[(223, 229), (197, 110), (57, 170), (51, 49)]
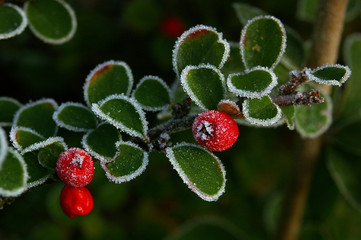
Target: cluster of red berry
[(215, 130), (75, 168)]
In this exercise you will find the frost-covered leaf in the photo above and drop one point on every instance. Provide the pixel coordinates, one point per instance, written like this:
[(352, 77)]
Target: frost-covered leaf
[(48, 153), (205, 84), (124, 113), (246, 12), (53, 21), (108, 78), (263, 42), (351, 96), (234, 63), (261, 112), (152, 93), (100, 142), (38, 116), (8, 108), (3, 144), (200, 44), (128, 164), (24, 137), (312, 121), (288, 114), (202, 171), (345, 170), (253, 83), (330, 74), (12, 20), (75, 117), (37, 173), (13, 174)]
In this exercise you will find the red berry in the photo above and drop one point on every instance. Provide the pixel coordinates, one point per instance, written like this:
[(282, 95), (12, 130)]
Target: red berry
[(75, 167), (76, 201), (215, 130), (172, 27)]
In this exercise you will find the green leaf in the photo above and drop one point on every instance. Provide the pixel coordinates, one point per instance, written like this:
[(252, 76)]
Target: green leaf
[(234, 63), (200, 44), (128, 164), (8, 108), (295, 54), (108, 78), (152, 93), (202, 171), (13, 174), (330, 74), (351, 96), (263, 42), (345, 170), (246, 12), (53, 21), (24, 137), (37, 173), (38, 117), (75, 117), (288, 114), (3, 144), (12, 20), (261, 112), (253, 83), (312, 121), (348, 138), (100, 142), (124, 113), (205, 84), (48, 154)]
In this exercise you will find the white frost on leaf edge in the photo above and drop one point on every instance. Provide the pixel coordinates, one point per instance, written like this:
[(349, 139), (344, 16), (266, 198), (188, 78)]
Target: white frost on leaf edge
[(250, 94), (67, 126), (177, 167), (90, 150), (303, 133), (96, 109), (283, 44), (333, 82), (64, 39), (37, 182), (3, 145), (189, 91), (100, 66), (290, 126), (31, 104), (14, 131), (162, 82), (22, 25), (43, 144), (196, 28), (263, 122), (9, 99), (16, 192), (131, 176)]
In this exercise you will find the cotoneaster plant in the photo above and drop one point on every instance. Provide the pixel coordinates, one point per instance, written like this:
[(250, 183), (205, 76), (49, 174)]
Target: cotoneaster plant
[(238, 82)]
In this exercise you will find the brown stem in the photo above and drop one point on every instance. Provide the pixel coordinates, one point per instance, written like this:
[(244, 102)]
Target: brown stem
[(306, 98), (324, 49)]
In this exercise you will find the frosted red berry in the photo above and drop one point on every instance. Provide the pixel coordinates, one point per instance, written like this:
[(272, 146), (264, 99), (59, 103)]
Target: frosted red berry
[(75, 167), (76, 201), (172, 27), (215, 130)]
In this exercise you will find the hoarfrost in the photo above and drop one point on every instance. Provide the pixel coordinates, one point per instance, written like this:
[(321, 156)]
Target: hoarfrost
[(21, 27), (263, 122), (334, 82)]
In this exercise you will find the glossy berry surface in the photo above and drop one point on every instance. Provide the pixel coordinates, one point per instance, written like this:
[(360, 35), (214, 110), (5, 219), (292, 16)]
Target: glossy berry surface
[(75, 167), (172, 27), (215, 130), (76, 201)]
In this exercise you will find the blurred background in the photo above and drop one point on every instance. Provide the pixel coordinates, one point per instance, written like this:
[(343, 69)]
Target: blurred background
[(157, 205)]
